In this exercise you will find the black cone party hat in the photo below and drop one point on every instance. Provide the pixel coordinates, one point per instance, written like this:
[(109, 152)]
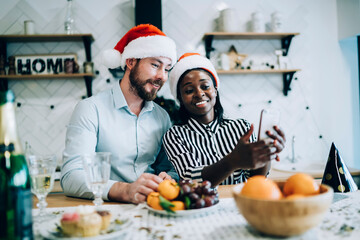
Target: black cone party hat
[(336, 173)]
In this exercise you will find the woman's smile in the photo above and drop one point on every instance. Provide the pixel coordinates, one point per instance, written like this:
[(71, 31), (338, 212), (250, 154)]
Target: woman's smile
[(201, 104)]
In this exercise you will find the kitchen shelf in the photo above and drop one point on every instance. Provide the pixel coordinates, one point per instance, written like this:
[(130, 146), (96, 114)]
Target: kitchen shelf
[(285, 44), (247, 71), (35, 76), (210, 36), (87, 39), (287, 75)]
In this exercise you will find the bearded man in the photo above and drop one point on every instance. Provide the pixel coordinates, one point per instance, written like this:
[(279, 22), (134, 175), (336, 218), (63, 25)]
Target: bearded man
[(124, 121)]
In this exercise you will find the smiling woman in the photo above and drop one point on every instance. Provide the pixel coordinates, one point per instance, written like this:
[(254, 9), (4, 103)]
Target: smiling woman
[(205, 145)]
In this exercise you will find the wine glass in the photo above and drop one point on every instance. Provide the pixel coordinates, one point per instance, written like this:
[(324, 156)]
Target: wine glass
[(97, 173), (42, 173)]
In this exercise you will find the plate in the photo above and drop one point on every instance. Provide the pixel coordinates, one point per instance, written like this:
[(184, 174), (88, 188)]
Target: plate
[(115, 230), (183, 213)]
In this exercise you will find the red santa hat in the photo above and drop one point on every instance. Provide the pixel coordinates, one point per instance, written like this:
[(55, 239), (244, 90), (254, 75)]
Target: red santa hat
[(190, 61), (142, 41)]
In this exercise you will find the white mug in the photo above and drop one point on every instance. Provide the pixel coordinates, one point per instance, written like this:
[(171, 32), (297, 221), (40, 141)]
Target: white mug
[(29, 27)]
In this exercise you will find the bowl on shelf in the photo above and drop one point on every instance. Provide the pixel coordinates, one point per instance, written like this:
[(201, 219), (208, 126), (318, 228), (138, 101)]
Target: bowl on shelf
[(284, 217)]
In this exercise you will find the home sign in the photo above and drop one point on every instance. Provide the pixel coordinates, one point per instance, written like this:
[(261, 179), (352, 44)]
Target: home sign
[(43, 64)]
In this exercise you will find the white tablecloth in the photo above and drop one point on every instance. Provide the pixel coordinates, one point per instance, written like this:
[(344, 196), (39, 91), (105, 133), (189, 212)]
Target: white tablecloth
[(224, 222)]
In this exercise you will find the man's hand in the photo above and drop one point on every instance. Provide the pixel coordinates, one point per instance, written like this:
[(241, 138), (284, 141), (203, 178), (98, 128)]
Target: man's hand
[(164, 175), (137, 191)]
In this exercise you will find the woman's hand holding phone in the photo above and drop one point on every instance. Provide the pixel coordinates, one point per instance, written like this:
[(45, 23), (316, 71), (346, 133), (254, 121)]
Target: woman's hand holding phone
[(269, 129)]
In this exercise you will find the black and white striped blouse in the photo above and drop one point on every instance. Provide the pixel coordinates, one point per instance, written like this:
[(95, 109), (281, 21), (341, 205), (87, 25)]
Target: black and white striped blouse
[(193, 146)]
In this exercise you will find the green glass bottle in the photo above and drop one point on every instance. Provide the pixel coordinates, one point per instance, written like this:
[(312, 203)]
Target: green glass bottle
[(15, 189)]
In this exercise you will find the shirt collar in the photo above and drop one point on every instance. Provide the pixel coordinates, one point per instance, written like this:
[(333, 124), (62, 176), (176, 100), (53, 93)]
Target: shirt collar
[(203, 128), (120, 101)]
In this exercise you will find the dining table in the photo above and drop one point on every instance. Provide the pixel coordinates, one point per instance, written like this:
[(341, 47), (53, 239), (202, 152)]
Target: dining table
[(222, 221)]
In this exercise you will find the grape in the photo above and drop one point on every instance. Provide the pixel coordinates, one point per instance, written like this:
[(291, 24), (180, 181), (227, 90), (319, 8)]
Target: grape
[(206, 190), (212, 192), (206, 184), (186, 189), (193, 196), (186, 182), (198, 190), (200, 203), (209, 201), (216, 198), (198, 195)]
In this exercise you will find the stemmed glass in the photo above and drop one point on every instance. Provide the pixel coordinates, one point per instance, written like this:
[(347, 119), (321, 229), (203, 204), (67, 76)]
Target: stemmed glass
[(97, 173), (42, 174)]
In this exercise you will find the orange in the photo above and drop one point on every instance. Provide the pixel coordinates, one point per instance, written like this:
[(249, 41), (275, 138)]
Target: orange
[(169, 189), (301, 183), (153, 200), (178, 205), (295, 196), (262, 188)]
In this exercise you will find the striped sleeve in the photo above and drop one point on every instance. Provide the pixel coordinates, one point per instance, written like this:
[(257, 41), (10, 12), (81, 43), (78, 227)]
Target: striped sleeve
[(186, 163)]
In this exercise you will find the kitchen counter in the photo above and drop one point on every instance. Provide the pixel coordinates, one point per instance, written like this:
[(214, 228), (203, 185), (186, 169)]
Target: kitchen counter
[(283, 175)]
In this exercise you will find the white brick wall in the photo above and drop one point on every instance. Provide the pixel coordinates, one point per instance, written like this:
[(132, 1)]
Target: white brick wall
[(315, 51)]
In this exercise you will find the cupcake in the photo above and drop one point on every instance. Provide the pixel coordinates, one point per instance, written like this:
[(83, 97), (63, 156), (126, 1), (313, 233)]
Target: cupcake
[(69, 223), (89, 225), (84, 222), (105, 217)]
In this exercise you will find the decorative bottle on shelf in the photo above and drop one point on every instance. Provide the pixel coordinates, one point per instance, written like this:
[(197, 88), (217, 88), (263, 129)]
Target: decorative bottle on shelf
[(69, 19), (15, 188)]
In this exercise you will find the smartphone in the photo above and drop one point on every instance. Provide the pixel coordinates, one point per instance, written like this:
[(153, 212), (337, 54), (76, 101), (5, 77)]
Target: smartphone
[(268, 119)]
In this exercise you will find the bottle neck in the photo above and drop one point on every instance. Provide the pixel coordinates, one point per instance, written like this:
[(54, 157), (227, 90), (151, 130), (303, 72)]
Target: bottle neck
[(69, 9), (8, 131)]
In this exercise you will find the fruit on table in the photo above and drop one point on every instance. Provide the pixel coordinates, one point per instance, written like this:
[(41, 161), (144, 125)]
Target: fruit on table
[(295, 196), (186, 194), (262, 188), (296, 186), (301, 183), (198, 195), (169, 189), (153, 200), (178, 205)]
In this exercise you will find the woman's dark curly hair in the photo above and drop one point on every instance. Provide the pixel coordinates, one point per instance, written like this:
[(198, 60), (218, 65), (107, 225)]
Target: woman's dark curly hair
[(184, 114)]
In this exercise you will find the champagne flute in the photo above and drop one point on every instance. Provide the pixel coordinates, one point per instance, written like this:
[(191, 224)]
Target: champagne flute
[(97, 173), (42, 174)]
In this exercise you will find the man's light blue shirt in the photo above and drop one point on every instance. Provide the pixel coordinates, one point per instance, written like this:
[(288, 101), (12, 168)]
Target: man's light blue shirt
[(104, 123)]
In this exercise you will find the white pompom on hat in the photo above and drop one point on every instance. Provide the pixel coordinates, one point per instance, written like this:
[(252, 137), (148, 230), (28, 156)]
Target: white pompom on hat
[(142, 41), (190, 61)]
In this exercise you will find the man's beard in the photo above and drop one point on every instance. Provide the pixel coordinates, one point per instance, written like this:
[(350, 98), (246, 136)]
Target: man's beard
[(138, 85)]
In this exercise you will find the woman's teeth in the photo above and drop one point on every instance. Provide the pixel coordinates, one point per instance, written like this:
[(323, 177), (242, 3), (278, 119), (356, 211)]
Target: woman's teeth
[(199, 103)]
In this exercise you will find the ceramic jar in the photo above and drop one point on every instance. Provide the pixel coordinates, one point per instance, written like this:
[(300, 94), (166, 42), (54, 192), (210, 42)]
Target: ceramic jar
[(276, 22), (257, 22)]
